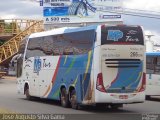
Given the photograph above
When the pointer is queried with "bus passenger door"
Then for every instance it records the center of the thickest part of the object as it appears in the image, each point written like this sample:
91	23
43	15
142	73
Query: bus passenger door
155	76
45	76
31	76
152	77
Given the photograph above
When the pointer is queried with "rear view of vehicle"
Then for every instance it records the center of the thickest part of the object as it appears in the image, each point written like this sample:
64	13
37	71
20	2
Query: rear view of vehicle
122	65
152	74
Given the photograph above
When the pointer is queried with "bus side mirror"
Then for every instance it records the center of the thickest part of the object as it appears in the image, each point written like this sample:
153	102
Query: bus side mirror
14	59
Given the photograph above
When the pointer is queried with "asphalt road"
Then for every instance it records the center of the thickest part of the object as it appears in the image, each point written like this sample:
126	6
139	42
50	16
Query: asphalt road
10	100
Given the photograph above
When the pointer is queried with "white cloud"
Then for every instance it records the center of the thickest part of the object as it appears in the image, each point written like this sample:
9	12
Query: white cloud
9	16
10	9
153	5
20	9
151	26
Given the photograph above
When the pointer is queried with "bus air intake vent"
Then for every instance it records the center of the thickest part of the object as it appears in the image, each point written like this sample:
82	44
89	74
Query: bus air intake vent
122	63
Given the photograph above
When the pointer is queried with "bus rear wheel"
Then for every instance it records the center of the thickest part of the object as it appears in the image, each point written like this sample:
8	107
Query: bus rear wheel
64	98
73	100
148	97
101	106
116	106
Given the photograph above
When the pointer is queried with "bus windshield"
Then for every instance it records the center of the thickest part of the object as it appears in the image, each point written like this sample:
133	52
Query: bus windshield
122	35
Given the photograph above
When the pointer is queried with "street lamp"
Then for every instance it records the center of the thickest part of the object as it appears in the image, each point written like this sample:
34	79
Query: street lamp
149	37
149	43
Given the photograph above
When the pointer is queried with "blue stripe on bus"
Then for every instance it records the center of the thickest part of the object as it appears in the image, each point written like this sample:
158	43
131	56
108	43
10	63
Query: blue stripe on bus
124	80
78	69
153	54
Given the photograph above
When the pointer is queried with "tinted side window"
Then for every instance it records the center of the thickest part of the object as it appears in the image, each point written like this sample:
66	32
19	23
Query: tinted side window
150	65
157	66
74	43
20	59
22	45
19	66
79	42
35	47
153	65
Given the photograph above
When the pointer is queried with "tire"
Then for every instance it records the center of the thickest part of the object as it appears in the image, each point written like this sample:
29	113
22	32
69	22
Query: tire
148	97
28	96
116	106
78	8
101	106
73	100
64	98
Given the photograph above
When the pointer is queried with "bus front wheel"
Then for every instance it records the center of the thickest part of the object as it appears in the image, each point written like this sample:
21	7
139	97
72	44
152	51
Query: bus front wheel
28	96
64	98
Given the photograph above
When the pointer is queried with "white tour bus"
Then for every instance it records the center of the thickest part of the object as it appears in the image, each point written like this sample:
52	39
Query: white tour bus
152	74
94	65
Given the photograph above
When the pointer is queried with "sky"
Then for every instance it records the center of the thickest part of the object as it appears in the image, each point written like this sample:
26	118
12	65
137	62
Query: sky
150	25
31	10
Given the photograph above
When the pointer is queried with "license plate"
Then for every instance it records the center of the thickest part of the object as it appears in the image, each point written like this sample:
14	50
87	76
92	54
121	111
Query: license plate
123	96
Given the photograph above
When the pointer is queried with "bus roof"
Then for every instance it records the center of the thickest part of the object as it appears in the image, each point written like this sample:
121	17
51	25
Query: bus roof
153	54
69	30
62	30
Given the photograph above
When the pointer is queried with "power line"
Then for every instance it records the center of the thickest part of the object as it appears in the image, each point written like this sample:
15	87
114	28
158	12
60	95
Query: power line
131	13
140	10
144	13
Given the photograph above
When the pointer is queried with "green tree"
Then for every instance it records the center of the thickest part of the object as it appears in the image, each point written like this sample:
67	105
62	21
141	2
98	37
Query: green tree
2	26
1	42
